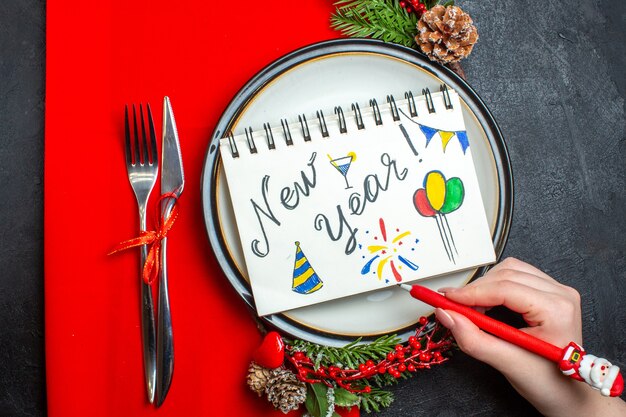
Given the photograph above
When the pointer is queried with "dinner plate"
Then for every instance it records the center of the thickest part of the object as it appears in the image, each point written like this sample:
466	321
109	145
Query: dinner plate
322	76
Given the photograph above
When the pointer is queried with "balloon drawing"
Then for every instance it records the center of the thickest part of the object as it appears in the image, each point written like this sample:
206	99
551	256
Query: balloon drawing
438	198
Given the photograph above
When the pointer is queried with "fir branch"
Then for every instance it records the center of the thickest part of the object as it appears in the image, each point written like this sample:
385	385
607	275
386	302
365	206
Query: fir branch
379	19
384	380
345	398
350	355
430	4
376	400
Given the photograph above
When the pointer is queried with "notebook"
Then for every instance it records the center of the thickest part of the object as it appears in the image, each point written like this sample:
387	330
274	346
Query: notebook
356	198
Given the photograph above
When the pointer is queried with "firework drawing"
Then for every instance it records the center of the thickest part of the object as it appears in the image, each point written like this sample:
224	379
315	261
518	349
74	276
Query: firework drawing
386	253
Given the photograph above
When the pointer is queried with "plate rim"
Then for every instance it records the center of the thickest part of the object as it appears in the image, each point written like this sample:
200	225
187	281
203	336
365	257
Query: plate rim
265	76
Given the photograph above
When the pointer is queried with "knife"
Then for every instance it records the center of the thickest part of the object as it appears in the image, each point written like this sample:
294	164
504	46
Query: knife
172	181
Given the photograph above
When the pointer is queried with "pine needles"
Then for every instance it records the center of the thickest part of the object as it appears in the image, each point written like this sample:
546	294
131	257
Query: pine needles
376	400
350	355
378	19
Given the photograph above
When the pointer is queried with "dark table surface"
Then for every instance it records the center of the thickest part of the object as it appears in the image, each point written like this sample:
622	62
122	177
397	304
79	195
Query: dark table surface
553	74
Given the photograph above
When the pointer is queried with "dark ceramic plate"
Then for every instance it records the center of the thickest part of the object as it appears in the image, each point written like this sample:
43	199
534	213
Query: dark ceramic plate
321	76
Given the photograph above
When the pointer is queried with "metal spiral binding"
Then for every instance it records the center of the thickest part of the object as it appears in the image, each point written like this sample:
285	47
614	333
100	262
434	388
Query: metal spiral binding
250	140
394	109
429	100
324	129
377	117
446	97
286	132
358	119
269	135
412	108
233	145
342	120
305	128
343	128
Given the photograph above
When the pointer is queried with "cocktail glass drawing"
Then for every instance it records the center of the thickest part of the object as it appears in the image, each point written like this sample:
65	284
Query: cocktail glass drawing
343	165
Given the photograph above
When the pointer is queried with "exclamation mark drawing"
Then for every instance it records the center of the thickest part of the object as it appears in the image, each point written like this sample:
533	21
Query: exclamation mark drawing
409	141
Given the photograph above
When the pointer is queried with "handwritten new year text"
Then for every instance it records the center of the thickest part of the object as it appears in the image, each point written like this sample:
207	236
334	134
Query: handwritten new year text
337	226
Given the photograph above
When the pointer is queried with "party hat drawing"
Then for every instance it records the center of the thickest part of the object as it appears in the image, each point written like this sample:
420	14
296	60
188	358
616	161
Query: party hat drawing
305	280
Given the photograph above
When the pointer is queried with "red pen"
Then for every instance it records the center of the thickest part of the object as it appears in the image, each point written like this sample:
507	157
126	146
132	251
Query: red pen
573	361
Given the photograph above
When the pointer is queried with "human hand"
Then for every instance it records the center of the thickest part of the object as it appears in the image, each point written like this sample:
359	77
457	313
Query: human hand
552	312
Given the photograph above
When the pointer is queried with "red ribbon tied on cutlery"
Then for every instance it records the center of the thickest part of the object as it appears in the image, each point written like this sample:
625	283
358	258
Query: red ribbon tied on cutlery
153	239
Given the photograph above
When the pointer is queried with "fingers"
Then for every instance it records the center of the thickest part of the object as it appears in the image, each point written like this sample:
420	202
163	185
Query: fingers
517	297
535	378
557	338
543	302
509	268
478	344
519	277
550	308
521	266
520	272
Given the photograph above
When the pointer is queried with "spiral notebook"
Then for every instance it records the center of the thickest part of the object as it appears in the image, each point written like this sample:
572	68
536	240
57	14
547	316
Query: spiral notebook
356	198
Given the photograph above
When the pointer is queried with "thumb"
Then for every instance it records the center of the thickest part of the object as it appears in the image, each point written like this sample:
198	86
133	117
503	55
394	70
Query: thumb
475	342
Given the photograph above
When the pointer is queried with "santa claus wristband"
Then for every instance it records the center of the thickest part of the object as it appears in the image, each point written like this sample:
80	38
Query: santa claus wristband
573	361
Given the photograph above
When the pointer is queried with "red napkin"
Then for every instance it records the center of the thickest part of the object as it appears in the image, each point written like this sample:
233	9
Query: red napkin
100	56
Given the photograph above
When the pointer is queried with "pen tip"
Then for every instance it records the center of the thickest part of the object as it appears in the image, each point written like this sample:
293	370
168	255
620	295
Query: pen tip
406	287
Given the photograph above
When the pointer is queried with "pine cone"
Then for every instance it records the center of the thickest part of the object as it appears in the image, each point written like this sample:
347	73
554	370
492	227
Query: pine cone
446	34
258	377
285	391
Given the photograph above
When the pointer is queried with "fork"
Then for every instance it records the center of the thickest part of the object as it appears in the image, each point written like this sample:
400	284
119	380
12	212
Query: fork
143	166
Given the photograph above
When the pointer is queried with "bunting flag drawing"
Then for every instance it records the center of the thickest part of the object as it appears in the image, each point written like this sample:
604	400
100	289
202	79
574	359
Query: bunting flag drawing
446	136
305	279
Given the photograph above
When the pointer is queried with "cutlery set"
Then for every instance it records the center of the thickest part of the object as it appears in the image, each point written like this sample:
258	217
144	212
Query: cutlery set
143	167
